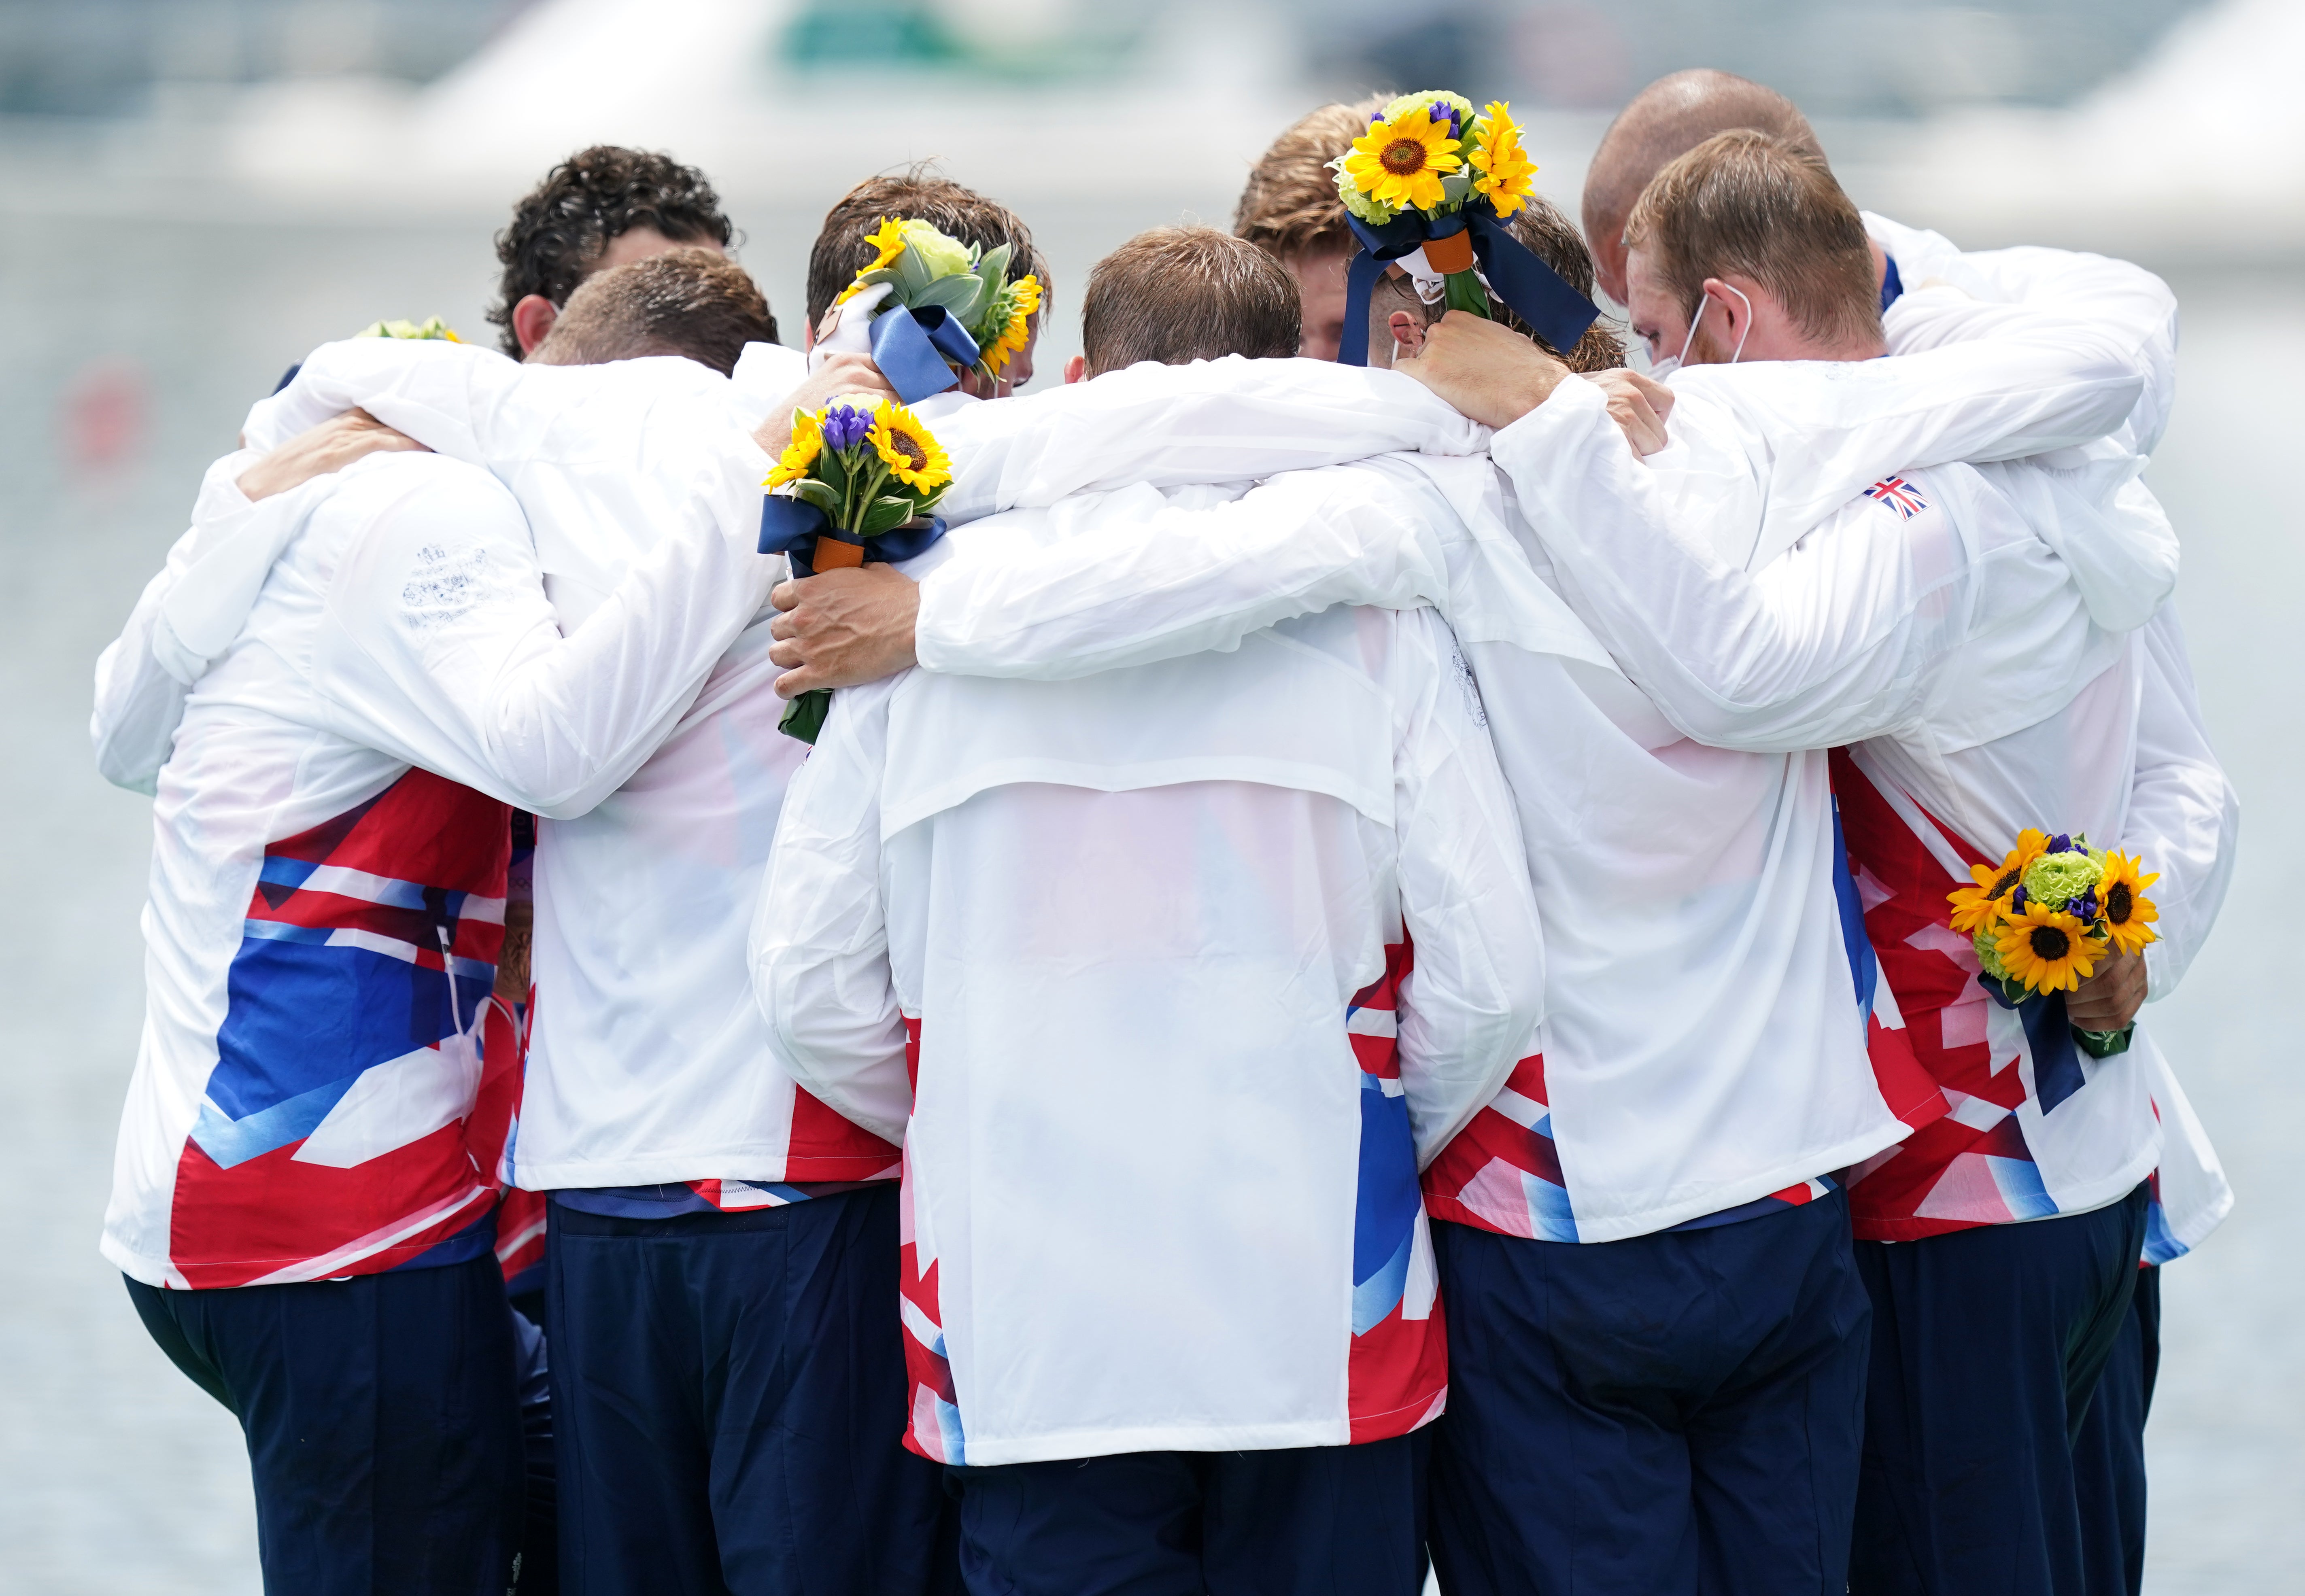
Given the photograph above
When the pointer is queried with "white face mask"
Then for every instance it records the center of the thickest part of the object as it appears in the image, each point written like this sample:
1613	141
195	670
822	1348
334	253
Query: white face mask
1672	364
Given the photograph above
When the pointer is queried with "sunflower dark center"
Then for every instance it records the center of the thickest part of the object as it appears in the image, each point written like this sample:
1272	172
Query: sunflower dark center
2049	943
909	446
2117	904
1403	157
2009	878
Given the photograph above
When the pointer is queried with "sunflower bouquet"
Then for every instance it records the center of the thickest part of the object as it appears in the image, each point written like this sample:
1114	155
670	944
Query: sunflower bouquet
1431	154
2043	919
857	482
957	296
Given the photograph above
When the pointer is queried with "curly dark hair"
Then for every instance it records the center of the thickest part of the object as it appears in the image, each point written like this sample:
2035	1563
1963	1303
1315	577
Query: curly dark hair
559	232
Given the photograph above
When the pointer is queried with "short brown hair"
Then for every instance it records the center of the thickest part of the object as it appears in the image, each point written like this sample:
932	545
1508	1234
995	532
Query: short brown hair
1670	118
1177	294
1553	239
1290	205
1761	208
840	251
561	229
691	302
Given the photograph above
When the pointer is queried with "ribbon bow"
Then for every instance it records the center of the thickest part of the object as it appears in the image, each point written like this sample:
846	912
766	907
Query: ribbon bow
917	347
792	527
1529	288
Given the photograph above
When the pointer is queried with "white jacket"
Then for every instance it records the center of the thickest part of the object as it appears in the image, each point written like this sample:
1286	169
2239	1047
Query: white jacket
1197	963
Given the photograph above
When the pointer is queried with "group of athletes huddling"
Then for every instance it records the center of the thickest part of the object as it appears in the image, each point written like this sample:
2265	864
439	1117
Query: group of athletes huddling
1356	984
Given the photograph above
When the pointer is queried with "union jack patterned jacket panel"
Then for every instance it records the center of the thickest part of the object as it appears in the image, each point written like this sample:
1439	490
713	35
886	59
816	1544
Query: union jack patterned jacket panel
1176	1064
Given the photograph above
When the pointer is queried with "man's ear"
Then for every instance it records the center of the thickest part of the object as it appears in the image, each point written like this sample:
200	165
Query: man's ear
1076	368
1408	329
532	320
1728	314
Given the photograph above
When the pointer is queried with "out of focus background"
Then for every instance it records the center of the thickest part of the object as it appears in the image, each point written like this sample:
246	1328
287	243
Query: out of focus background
192	193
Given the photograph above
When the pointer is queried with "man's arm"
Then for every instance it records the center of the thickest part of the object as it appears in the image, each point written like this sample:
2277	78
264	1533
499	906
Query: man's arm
819	944
1226	420
1178	581
2184	817
1471	1004
440	647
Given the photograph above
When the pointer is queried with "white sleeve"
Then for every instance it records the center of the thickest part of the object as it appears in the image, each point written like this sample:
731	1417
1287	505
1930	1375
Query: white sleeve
1183	582
1473	1000
138	703
1813	435
2183	817
1828	643
440	647
2129	302
141	682
819	944
1226	420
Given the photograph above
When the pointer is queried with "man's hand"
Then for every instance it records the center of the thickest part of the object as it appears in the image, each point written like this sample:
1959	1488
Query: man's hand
2109	999
846	373
843	628
330	446
1489	372
1638	405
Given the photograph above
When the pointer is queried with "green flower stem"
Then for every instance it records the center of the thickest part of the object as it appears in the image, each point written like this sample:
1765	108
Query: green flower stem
860	506
1464	292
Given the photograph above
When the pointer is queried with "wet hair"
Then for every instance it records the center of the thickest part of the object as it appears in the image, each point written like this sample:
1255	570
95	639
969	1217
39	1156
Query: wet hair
560	231
693	302
1178	295
1289	207
1553	239
920	194
1745	204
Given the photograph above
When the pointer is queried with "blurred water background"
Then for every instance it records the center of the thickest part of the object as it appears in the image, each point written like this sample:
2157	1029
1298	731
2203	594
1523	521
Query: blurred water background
194	192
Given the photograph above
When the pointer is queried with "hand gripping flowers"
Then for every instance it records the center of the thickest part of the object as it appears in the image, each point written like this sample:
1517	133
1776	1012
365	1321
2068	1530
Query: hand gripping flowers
856	482
948	308
1429	185
2044	917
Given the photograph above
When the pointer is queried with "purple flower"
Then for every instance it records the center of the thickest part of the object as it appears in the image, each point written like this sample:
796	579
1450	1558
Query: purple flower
845	426
2062	844
2083	907
1442	111
2017	899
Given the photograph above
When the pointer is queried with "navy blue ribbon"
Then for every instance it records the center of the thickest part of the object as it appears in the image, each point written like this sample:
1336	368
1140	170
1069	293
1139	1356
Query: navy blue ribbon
1529	288
2057	1071
917	348
791	527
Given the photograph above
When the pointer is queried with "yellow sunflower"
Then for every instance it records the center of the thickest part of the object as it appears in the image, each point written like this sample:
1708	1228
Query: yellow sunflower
800	455
888	242
912	454
1503	166
2120	898
1400	163
1026	301
2047	949
1976	906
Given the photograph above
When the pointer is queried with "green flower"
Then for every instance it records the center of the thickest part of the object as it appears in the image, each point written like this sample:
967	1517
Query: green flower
1426	96
1368	208
943	255
1987	954
2054	878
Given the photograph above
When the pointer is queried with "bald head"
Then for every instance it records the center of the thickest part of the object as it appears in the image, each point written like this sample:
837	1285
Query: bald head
1665	121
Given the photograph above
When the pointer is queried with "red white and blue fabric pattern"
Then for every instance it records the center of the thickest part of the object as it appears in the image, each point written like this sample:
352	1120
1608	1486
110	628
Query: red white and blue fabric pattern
1397	1370
1502	1172
1898	495
1969	1166
331	1139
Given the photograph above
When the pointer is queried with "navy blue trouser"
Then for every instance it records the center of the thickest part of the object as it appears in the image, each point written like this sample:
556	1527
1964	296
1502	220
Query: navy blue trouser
1987	1345
382	1420
1304	1520
1672	1413
2109	1458
728	1405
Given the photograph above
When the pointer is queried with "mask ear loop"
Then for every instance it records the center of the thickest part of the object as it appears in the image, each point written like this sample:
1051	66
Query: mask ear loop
1748	333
